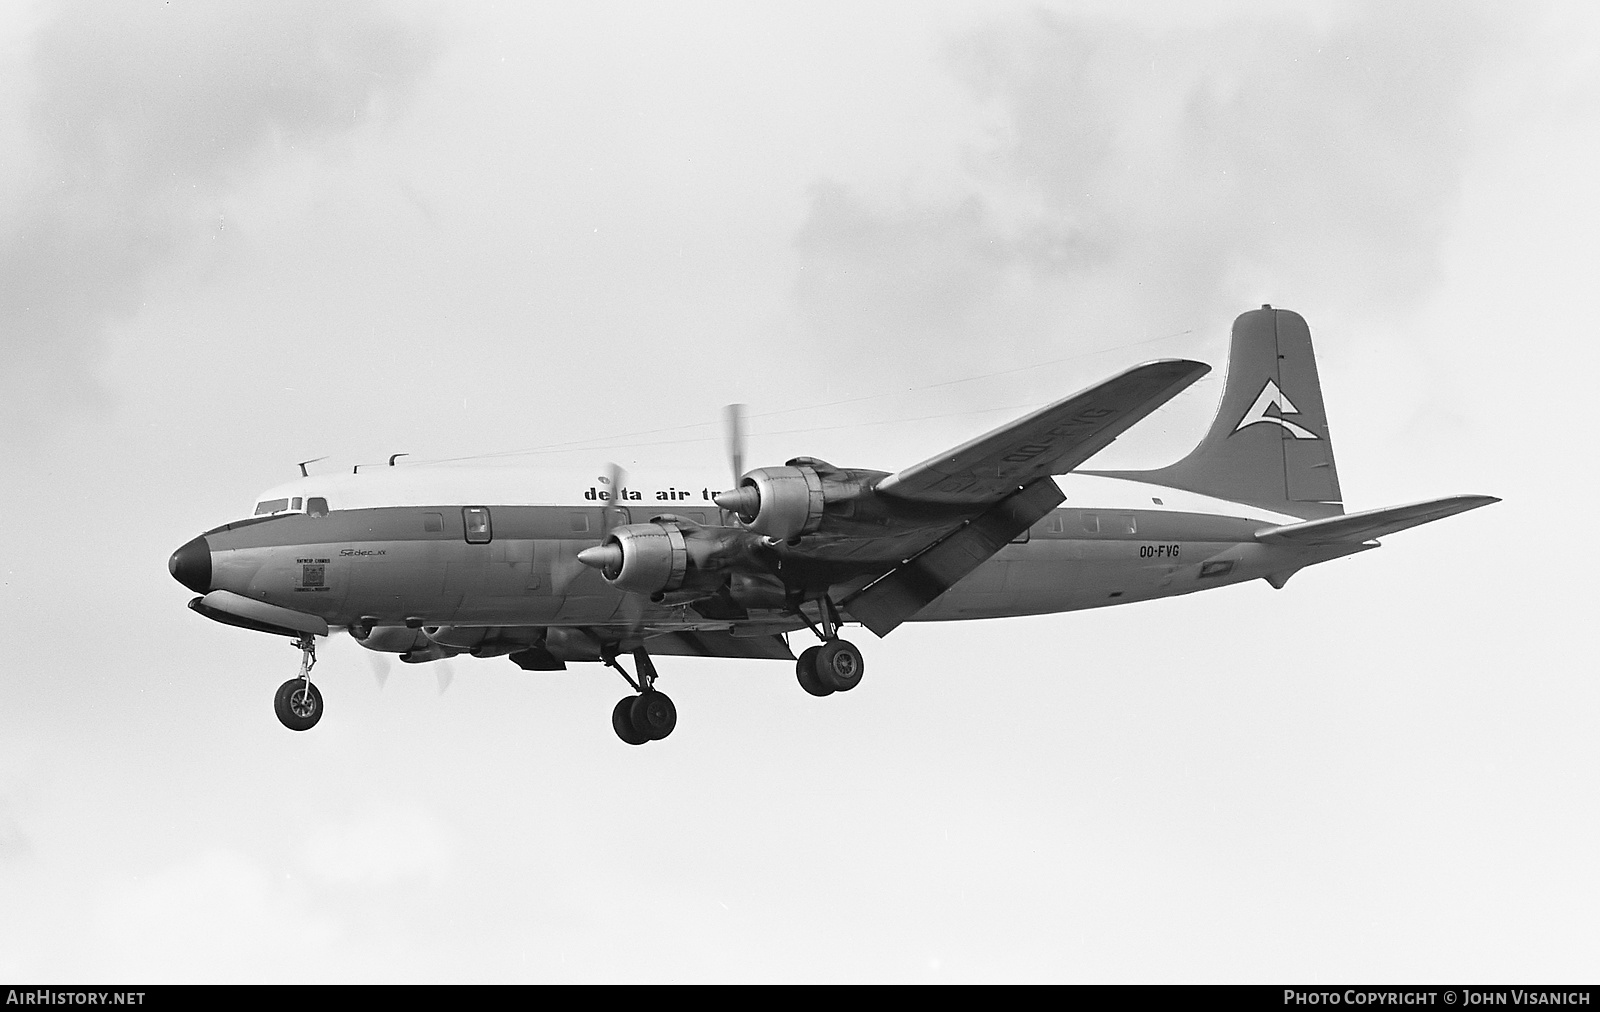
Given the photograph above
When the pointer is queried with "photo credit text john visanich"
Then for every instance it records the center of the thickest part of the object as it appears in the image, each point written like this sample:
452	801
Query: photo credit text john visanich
1438	996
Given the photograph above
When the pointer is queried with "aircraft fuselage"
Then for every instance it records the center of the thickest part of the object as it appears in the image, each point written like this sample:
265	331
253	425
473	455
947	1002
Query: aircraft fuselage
415	565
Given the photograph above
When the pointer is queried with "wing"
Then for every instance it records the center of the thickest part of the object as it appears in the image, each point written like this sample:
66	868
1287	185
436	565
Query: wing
1052	440
1356	527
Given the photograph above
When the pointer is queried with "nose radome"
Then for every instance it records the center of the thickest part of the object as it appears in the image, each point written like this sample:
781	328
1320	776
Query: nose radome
191	565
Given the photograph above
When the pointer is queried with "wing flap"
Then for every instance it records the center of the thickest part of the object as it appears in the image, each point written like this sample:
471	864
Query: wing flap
715	643
1356	527
1053	440
912	586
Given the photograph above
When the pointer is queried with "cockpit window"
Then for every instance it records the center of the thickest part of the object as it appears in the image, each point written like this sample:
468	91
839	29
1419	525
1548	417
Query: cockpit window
271	506
296	503
317	506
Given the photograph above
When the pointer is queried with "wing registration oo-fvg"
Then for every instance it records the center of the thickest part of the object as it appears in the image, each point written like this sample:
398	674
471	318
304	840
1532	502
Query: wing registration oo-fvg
548	569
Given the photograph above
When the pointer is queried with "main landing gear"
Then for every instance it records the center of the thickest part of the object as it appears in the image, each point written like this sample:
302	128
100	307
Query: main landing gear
835	665
648	716
298	703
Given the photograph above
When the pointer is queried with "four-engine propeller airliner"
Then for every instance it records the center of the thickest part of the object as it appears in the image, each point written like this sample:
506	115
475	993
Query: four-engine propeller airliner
433	561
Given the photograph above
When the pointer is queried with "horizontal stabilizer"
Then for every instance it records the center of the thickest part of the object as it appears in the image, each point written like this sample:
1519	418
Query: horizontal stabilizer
1053	440
1357	527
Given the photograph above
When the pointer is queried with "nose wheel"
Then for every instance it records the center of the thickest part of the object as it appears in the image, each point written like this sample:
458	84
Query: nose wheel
298	704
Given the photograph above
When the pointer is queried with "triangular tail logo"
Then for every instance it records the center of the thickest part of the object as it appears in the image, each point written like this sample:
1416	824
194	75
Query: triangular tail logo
1272	397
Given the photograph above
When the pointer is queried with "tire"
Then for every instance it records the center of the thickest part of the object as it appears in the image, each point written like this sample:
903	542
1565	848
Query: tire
622	722
805	669
298	705
839	665
653	715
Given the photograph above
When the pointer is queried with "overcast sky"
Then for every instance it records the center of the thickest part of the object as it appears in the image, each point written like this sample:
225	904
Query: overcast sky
237	236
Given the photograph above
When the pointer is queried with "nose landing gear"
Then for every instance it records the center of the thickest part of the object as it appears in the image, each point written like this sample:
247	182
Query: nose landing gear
648	716
298	703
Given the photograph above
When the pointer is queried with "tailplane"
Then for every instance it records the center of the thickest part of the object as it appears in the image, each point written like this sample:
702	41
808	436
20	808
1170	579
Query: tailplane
1355	528
1269	445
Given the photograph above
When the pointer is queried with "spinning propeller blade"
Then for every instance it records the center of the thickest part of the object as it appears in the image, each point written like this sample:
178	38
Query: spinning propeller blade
733	423
380	667
614	479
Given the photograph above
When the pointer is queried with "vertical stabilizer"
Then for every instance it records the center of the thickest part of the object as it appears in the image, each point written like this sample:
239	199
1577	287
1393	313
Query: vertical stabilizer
1269	445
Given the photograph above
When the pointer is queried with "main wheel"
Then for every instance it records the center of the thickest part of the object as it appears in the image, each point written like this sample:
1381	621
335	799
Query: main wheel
298	704
622	722
839	665
805	669
654	716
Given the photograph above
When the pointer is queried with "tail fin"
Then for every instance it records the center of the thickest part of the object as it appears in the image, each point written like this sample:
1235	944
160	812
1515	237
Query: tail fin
1269	445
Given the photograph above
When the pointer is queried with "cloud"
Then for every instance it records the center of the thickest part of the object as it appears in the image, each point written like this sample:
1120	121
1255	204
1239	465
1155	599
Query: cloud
1149	178
381	848
216	917
14	842
143	119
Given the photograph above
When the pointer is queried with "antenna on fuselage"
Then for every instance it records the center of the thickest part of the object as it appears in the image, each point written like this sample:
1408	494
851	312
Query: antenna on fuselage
303	463
392	458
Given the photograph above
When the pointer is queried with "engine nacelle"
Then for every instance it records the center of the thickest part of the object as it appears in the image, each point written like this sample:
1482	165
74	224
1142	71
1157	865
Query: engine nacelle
648	558
485	641
782	503
390	639
806	496
668	554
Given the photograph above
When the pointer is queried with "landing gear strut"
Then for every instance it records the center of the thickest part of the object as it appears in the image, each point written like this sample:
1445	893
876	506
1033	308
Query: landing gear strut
298	703
648	716
836	665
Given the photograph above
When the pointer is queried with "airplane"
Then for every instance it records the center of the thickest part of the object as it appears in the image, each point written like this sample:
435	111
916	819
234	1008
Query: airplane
546	568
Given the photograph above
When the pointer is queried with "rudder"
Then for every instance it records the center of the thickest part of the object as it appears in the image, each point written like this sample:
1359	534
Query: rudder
1269	444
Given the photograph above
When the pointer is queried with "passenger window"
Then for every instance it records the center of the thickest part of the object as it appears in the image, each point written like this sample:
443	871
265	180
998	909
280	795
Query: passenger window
1126	524
1022	539
317	506
432	523
1056	526
1091	523
580	522
476	519
698	518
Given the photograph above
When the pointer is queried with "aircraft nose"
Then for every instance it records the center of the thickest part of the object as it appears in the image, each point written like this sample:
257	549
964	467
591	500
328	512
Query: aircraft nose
191	565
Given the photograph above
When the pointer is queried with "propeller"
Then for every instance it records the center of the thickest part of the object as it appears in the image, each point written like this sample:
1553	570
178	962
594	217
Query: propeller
445	673
608	557
616	478
733	423
380	667
604	557
741	501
